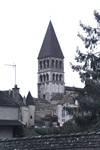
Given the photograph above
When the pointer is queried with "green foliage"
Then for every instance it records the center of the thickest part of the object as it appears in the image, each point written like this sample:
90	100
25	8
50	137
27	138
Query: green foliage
89	61
47	131
88	67
29	131
70	127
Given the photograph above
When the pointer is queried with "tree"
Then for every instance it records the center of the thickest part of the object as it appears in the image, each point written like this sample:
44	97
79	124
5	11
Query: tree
88	67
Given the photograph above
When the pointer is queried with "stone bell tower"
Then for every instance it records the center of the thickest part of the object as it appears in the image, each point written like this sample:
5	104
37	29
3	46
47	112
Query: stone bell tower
50	66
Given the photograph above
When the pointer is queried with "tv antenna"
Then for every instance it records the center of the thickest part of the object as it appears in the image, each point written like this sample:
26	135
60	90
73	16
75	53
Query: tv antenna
14	66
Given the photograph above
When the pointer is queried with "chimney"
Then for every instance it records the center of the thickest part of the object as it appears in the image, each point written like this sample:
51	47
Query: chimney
15	93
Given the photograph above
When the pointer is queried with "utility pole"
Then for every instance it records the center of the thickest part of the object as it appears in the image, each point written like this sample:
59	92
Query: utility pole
14	66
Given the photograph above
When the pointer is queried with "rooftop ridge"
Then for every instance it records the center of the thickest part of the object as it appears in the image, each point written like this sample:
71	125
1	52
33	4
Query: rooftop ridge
53	135
87	140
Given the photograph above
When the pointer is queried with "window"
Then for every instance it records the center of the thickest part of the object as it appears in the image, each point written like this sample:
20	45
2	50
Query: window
56	77
40	64
44	77
53	77
60	77
47	63
44	64
56	63
47	76
63	113
52	63
60	64
44	96
40	78
30	117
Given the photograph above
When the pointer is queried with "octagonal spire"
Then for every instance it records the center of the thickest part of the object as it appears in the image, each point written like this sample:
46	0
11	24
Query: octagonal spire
50	46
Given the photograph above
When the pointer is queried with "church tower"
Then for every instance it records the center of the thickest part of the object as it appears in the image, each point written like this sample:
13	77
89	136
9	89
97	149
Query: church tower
50	66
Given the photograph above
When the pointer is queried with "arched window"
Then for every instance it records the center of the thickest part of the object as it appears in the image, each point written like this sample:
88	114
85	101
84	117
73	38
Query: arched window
47	63
56	63
60	64
47	76
40	78
44	77
53	77
52	63
56	77
44	65
40	64
60	77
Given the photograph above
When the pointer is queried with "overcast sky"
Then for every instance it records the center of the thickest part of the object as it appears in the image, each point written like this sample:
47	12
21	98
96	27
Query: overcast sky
23	24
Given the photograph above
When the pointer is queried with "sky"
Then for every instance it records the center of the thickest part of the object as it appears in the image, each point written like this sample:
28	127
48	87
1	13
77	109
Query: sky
23	24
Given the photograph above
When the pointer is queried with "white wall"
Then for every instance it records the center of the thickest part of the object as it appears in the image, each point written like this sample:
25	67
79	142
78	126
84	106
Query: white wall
8	113
31	114
62	118
25	114
28	113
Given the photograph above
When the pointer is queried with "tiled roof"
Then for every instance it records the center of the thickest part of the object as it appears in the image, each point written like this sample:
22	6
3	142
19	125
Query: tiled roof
43	106
69	98
81	141
5	100
50	46
62	99
38	100
57	96
10	94
69	88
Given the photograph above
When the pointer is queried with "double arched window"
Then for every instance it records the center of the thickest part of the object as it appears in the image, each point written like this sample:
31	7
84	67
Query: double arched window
57	77
57	63
44	77
54	63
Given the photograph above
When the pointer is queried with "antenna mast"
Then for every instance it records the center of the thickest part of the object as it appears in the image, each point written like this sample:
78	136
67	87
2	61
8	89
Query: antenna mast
14	66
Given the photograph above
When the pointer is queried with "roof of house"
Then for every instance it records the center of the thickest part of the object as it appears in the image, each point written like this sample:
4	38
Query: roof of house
50	46
40	101
10	94
44	106
10	123
5	100
69	98
64	98
87	141
70	88
57	96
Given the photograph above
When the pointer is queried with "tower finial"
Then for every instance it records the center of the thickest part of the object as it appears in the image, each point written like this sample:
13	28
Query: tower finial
50	17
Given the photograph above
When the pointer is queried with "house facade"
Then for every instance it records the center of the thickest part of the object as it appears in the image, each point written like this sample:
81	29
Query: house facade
10	117
15	113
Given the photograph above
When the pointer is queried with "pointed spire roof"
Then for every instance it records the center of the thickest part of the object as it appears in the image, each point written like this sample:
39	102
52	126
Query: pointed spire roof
50	46
29	99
